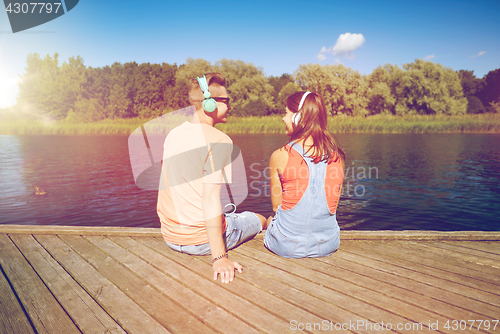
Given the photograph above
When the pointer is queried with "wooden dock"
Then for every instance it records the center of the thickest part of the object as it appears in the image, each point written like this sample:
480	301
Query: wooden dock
126	280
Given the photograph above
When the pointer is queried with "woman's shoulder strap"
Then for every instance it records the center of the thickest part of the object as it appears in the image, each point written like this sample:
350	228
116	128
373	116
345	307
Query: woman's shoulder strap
297	147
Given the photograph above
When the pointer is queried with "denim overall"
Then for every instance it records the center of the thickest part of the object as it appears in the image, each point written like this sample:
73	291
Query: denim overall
308	229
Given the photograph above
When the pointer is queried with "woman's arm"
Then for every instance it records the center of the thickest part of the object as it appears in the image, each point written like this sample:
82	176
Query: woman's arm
277	165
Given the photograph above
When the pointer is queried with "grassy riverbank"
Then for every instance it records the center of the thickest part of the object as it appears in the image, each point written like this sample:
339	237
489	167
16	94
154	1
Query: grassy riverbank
376	124
104	127
486	123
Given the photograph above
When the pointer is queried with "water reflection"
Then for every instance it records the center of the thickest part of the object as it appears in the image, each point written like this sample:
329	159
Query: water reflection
431	182
14	191
87	181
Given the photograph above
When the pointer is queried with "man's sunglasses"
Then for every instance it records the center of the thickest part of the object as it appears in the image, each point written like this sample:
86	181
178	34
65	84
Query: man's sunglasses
222	99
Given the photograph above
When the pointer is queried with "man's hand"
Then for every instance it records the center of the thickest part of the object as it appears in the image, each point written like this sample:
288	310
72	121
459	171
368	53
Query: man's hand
212	212
225	268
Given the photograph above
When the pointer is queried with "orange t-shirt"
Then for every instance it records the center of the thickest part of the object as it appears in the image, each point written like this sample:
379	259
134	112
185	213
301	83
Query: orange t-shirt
295	180
193	155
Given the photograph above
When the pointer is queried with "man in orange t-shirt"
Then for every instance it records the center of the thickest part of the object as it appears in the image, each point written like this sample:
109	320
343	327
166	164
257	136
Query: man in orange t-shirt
196	162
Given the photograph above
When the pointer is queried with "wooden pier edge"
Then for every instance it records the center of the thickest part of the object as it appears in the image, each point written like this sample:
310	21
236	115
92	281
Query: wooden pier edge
85	279
344	234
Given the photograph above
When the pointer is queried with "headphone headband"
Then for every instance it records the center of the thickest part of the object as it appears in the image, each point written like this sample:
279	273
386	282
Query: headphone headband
303	99
209	104
204	86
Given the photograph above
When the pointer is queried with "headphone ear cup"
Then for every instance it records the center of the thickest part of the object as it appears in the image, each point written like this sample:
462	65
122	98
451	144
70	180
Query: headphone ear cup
209	105
296	118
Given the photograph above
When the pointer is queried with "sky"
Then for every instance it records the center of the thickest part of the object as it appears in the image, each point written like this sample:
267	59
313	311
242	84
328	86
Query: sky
277	36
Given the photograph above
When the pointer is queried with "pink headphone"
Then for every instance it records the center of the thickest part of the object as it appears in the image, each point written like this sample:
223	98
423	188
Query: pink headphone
296	117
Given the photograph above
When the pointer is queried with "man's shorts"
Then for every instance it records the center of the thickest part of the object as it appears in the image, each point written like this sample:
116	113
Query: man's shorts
240	227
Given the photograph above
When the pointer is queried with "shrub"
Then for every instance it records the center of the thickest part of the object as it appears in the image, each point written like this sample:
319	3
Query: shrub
474	105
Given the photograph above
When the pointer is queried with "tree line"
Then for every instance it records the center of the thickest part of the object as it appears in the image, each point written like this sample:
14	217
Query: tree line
74	92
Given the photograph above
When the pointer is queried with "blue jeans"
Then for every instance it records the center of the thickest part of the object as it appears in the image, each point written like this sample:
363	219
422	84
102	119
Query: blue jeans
240	227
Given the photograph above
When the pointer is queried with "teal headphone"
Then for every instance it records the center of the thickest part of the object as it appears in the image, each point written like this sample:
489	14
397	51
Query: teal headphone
209	104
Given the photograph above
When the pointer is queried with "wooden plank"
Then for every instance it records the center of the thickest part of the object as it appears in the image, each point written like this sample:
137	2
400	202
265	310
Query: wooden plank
477	268
270	279
487	277
429	257
412	280
180	267
148	298
45	313
468	254
211	315
365	302
413	299
419	235
131	317
344	234
79	230
420	254
446	280
85	312
397	287
266	301
12	317
492	247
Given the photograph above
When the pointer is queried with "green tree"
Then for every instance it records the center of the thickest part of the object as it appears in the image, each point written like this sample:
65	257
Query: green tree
50	90
39	93
495	106
85	110
119	104
470	84
379	92
278	83
95	93
342	88
246	83
424	87
256	108
474	105
151	82
70	84
167	75
491	90
192	69
287	90
117	101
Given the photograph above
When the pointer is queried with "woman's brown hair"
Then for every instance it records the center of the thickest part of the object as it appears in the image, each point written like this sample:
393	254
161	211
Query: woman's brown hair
313	123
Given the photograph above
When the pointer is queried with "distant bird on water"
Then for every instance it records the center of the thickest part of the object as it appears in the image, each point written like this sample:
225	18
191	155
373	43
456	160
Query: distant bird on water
39	191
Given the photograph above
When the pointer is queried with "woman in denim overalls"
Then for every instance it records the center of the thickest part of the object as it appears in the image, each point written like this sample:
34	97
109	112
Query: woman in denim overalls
306	180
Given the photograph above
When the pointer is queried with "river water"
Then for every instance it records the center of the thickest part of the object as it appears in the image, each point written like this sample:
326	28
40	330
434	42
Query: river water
439	182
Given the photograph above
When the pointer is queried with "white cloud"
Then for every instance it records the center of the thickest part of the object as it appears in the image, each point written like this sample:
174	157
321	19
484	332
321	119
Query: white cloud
321	56
429	57
345	45
479	54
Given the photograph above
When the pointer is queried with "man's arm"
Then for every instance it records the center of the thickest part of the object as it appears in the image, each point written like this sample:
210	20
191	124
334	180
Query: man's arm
212	213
